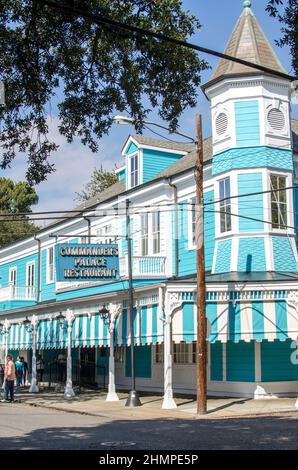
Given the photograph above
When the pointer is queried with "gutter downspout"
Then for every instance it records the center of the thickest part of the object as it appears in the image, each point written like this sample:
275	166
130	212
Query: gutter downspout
175	195
39	268
89	227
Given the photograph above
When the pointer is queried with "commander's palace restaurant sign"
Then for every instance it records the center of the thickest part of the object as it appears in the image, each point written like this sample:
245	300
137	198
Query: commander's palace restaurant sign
87	262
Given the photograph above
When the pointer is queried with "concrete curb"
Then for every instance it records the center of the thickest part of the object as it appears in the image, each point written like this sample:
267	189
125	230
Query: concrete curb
187	415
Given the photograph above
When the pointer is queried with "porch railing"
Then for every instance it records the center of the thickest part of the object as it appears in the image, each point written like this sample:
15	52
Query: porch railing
17	293
144	265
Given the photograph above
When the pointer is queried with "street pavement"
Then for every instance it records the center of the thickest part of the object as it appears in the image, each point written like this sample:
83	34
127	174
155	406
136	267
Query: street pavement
24	426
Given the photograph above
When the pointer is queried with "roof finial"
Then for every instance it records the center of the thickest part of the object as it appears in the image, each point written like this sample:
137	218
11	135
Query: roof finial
247	4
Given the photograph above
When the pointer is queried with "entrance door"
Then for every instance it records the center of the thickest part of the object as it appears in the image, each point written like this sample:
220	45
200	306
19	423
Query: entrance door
88	368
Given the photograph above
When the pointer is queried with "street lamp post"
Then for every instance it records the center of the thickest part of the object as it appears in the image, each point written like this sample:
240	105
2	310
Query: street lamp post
201	282
31	327
109	316
68	392
4	329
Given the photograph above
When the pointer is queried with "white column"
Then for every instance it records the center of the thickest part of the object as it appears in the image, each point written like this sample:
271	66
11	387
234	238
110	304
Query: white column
168	399
114	312
68	392
34	387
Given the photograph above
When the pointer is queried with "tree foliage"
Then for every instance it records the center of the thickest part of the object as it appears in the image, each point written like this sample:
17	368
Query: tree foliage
50	57
15	198
100	180
287	13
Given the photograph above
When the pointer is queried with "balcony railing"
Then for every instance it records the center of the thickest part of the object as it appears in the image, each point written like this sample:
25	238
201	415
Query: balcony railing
17	293
144	266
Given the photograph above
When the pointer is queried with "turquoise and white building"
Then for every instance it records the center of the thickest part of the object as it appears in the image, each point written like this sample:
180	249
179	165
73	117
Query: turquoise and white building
250	250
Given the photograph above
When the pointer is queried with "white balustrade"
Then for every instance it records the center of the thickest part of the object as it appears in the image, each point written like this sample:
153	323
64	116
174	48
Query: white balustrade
144	266
17	293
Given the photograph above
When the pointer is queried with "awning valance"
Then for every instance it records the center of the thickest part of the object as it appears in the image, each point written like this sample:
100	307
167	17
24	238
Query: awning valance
235	321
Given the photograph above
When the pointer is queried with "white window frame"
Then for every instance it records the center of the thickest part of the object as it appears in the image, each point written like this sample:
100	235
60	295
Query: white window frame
50	279
288	207
155	233
136	182
192	223
144	235
28	266
223	205
13	269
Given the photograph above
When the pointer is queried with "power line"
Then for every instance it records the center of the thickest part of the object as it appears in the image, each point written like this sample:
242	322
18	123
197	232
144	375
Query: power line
104	21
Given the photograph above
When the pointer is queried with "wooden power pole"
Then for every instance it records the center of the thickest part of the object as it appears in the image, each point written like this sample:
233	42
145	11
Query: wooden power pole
201	286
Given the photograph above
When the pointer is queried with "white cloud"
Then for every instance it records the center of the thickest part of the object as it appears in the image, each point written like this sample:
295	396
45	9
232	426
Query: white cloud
74	165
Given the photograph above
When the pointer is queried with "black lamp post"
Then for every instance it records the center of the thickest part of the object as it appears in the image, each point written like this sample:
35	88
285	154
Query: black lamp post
61	318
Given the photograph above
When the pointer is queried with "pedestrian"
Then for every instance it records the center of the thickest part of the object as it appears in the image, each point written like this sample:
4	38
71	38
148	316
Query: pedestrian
9	376
26	370
19	371
39	368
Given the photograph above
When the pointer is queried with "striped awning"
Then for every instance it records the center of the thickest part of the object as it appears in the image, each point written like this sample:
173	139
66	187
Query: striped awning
256	320
91	331
248	321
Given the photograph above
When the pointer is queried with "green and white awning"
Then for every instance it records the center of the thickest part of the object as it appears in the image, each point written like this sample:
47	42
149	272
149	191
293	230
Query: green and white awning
90	331
235	321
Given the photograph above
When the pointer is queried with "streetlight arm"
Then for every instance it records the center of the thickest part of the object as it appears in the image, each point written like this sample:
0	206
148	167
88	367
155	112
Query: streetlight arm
129	120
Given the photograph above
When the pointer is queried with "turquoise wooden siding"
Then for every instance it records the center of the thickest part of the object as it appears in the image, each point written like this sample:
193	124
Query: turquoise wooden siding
252	157
284	259
155	161
122	175
240	362
47	290
250	206
20	265
143	362
277	361
209	230
187	256
223	257
247	123
251	255
295	194
216	361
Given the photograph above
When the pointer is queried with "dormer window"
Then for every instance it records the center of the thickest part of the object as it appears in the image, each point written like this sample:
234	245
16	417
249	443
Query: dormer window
134	170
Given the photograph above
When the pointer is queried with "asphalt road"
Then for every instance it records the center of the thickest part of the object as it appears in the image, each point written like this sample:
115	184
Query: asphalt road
25	427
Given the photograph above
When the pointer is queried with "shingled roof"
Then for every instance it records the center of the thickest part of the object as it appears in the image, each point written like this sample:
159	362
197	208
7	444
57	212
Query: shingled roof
247	42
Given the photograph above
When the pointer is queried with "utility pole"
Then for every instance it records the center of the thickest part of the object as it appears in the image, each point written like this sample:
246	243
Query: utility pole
133	397
201	285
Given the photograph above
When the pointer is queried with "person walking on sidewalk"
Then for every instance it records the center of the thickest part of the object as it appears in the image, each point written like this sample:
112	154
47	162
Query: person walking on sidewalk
26	370
9	376
19	372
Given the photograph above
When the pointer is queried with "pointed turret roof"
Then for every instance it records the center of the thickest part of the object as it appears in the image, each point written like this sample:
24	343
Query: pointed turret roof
247	42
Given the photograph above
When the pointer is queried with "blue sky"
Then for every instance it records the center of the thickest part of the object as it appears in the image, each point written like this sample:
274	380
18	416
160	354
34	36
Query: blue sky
75	163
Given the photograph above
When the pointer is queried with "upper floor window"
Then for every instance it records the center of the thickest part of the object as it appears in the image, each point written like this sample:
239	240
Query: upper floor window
156	232
278	201
134	170
225	205
13	276
50	264
144	234
105	233
30	275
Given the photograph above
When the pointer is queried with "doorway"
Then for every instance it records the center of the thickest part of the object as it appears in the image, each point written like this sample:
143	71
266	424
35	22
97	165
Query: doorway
87	366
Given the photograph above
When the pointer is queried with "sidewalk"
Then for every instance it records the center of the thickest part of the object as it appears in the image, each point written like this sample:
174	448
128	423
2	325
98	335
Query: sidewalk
93	403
